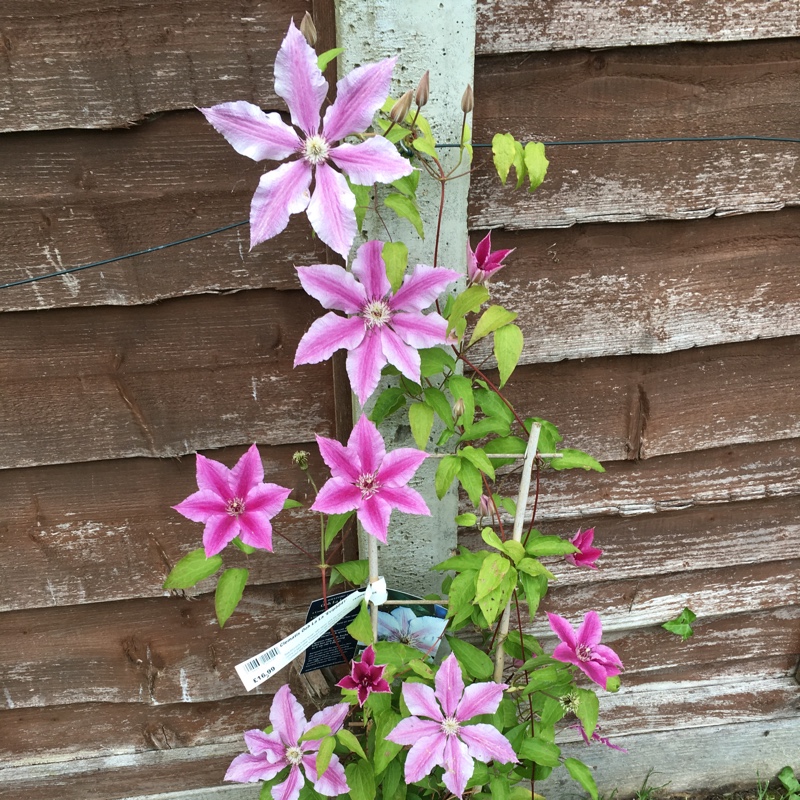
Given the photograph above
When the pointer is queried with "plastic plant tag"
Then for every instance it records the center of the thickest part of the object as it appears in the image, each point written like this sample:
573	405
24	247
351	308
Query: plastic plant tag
256	670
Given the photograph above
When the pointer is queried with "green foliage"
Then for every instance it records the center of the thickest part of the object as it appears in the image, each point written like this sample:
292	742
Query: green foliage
790	783
389	401
406	208
507	350
361	780
528	161
395	256
576	459
493	318
540	752
447	470
361	627
420	417
682	624
468	301
191	569
334	524
472	660
317	732
434	360
355	572
249	549
536	164
582	774
587	710
349	740
363	195
230	588
326	748
323	59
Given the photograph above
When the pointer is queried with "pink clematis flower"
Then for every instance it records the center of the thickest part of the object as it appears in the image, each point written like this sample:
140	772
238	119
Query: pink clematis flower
588	554
483	262
384	327
272	752
583	649
443	739
234	502
366	479
366	677
285	190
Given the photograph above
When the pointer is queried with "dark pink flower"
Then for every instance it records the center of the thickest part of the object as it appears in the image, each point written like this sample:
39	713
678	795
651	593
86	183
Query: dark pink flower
234	502
588	554
443	739
365	677
367	479
583	648
383	326
285	190
272	752
483	262
596	737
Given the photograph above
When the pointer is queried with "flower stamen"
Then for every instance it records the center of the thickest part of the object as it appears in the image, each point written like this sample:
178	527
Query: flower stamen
235	507
315	150
450	726
376	314
294	755
368	484
583	652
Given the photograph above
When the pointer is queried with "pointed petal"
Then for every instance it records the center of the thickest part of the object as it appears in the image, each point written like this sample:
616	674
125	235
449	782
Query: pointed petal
591	629
332	716
280	193
333	781
255	529
399	466
299	82
348	682
562	629
495	260
374	516
375	160
342	461
367	444
425	632
405	500
483	249
248	473
421	702
219	531
388	627
337	496
359	95
368	656
266	498
426	753
606	654
458	766
202	505
486	743
567	654
253	133
449	685
370	268
247	768
334	287
400	355
480	698
364	365
420	330
422	287
331	211
259	742
213	476
290	788
327	335
597	672
287	717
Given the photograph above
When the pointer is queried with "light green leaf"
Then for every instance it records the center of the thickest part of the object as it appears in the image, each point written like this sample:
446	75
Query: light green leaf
493	570
530	566
543	678
535	163
420	417
493	406
507	350
361	779
317	732
462	596
407	185
385	751
503	152
425	143
334	524
229	592
478	458
549	437
492	539
249	549
191	569
448	468
390	782
466	139
349	740
471	480
469	300
355	572
574	459
493	318
587	710
476	663
466	520
539	546
499	788
361	627
389	401
363	195
435	360
540	752
461	389
582	774
436	399
682	624
326	748
493	603
504	444
323	59
519	164
407	209
534	588
484	427
395	256
514	550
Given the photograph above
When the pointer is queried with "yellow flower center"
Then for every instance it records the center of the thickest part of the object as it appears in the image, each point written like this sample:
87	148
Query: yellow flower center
376	313
450	726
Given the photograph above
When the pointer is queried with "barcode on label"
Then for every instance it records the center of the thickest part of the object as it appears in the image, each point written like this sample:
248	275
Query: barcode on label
256	662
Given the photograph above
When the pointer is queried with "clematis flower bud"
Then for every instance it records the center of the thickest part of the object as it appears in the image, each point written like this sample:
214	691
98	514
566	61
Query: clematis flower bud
459	408
401	108
467	100
309	29
300	459
485	506
423	88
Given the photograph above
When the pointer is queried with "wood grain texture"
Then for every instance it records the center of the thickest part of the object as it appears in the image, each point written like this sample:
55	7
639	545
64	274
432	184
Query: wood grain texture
613	289
508	26
111	66
159	380
69	198
676	91
105	530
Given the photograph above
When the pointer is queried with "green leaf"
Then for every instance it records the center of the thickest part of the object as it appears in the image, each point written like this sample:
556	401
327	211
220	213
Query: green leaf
385	751
507	350
355	572
613	683
588	710
514	550
573	459
478	459
787	778
247	548
534	588
407	185
549	437
326	748
461	389
462	596
476	663
491	575
682	624
390	781
323	59
317	732
395	256
363	195
503	152
469	300
466	139
361	780
504	444
499	788
539	546
535	164
420	668
582	774
361	627
266	792
191	569
471	480
420	417
230	587
334	524
519	164
493	406
540	752
407	209
544	678
492	604
464	560
289	503
466	520
389	401
435	360
436	399
484	427
493	318
492	539
349	740
448	468
425	143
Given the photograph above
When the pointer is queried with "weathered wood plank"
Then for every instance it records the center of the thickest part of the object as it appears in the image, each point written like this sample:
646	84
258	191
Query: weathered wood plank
687	90
613	289
111	66
101	531
669	483
514	26
77	197
159	380
151	651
